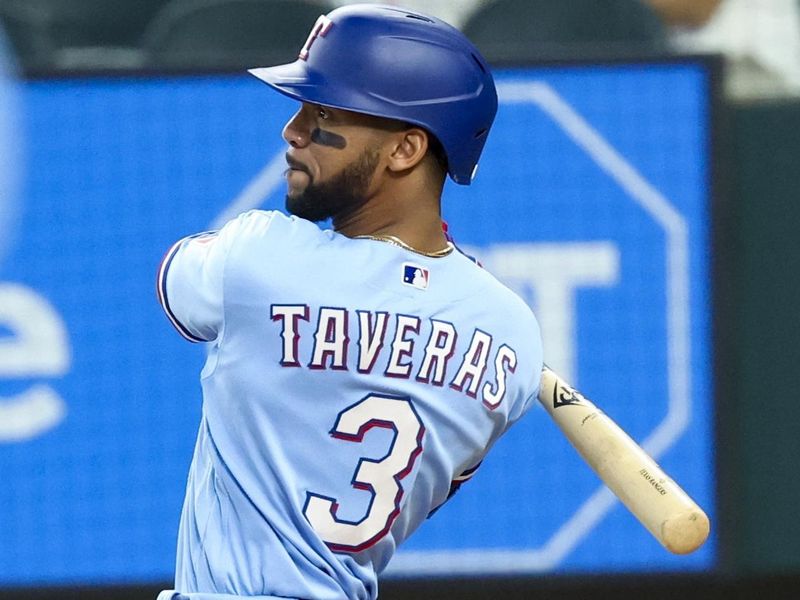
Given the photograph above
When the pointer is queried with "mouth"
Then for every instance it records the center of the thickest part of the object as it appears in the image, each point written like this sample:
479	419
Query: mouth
296	165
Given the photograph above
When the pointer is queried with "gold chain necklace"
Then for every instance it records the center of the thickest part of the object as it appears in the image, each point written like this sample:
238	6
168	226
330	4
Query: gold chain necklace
396	241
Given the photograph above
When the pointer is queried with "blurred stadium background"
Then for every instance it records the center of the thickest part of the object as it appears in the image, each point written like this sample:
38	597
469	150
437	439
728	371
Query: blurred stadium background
640	190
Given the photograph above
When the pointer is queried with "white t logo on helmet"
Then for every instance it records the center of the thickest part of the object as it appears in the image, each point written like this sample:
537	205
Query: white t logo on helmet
321	27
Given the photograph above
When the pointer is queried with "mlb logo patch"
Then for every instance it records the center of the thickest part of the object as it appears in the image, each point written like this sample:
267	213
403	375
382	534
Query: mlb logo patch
416	276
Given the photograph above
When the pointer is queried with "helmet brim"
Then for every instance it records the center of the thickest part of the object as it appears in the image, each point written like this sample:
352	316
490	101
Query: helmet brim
292	79
299	82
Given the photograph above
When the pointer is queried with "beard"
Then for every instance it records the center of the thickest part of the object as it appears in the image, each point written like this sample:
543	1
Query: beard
338	197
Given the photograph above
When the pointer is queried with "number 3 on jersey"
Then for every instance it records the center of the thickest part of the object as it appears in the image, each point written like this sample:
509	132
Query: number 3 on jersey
381	477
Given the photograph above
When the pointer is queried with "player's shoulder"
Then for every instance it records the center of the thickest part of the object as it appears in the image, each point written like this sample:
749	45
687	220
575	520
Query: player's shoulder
254	221
270	225
506	306
500	294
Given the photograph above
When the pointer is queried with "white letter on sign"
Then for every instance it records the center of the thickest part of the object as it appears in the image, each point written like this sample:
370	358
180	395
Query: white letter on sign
38	347
554	272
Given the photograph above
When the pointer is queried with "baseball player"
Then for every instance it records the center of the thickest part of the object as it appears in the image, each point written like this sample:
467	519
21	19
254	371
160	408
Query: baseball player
355	376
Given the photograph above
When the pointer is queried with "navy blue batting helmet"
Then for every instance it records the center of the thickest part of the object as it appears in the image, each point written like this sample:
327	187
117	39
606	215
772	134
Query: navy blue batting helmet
389	62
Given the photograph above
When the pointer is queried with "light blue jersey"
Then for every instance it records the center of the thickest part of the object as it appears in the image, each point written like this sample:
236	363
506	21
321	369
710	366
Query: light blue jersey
349	384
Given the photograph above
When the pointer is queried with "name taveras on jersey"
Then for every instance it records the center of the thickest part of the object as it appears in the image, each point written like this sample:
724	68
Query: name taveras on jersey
332	349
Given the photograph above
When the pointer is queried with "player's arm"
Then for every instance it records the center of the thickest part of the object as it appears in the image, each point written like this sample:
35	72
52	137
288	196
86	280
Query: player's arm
455	485
189	286
189	283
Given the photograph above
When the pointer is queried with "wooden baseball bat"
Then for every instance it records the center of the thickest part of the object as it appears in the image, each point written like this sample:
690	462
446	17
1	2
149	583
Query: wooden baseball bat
656	500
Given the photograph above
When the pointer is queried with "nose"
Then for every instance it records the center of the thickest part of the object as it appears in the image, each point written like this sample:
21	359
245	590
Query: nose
296	132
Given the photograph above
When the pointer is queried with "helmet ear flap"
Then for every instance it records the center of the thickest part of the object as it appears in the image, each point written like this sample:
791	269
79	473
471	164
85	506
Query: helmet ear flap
391	63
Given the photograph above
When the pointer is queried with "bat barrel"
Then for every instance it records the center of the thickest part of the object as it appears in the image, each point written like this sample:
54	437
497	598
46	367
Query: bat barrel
660	504
685	532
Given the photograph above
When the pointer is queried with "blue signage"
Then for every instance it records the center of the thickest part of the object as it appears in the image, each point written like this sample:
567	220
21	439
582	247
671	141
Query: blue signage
592	202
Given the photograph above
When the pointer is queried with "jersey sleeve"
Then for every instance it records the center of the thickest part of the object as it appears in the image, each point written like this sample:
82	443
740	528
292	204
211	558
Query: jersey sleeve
189	283
190	279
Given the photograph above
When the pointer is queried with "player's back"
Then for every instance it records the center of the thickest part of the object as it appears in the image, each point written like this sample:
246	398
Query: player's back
351	381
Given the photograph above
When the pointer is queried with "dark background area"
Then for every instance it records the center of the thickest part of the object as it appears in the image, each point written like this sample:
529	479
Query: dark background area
651	587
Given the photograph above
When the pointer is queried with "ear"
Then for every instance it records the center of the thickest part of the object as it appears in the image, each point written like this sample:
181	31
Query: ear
408	149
